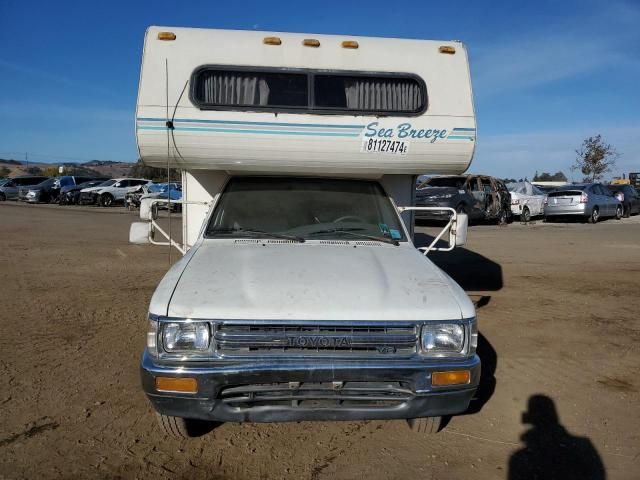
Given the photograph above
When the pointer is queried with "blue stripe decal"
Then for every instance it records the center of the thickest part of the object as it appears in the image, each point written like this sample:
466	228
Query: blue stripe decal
460	137
464	129
268	124
237	130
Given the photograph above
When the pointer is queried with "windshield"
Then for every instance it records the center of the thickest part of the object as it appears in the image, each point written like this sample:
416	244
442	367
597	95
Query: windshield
304	208
456	182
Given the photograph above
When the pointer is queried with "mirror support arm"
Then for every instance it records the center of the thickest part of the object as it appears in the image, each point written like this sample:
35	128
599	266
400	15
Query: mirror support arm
451	227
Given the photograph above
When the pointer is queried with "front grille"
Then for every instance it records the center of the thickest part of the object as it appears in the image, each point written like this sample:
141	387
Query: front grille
316	339
317	395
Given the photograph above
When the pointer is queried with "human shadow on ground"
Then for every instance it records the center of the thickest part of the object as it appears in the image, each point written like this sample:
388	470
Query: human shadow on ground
550	451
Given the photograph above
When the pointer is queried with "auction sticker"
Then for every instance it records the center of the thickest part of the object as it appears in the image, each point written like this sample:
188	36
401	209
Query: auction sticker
382	145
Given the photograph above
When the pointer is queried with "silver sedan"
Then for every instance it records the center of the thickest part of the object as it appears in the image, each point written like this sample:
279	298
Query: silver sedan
589	200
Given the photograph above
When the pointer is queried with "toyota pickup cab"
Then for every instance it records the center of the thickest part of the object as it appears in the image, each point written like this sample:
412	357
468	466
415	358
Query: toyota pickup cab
300	294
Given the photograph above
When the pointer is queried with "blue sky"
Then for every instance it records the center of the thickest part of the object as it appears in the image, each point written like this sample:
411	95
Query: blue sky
546	74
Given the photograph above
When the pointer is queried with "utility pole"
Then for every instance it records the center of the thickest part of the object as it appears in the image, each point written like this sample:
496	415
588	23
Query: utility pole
26	159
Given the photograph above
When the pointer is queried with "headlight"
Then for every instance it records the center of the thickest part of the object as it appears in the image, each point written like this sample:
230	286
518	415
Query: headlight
448	339
515	201
444	195
185	336
31	193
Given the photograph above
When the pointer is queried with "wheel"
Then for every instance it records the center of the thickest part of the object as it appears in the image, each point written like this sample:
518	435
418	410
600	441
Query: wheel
502	218
627	211
3	197
595	214
106	199
525	216
425	425
178	427
618	212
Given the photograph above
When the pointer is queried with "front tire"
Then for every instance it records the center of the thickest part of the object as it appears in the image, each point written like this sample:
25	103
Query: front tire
425	425
106	200
3	197
177	427
525	216
595	215
618	212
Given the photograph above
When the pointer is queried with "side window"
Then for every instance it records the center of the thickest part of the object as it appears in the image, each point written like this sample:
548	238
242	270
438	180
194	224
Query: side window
474	185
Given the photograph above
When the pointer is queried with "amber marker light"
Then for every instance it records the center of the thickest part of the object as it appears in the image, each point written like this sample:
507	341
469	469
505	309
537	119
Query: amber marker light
311	42
350	44
447	49
166	36
457	377
180	385
271	41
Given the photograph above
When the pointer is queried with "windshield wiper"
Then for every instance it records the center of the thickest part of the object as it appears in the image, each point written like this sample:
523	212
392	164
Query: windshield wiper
251	231
352	231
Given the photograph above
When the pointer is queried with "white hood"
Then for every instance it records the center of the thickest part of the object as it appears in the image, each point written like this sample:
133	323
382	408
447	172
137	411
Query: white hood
309	281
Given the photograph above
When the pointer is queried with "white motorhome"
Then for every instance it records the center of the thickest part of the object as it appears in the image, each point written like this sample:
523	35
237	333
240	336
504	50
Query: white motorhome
300	295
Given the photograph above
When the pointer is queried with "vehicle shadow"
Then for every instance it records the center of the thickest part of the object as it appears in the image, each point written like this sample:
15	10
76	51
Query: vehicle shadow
550	451
472	271
478	274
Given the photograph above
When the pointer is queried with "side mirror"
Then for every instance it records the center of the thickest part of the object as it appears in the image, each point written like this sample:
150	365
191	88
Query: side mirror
458	232
147	212
139	233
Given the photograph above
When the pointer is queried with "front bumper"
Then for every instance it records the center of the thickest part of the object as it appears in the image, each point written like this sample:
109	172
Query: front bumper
87	198
405	384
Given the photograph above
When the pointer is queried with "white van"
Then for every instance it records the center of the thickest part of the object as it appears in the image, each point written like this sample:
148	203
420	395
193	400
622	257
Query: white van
301	295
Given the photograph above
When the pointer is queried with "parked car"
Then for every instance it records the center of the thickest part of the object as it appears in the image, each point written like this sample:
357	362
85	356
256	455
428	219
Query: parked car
69	195
88	195
154	190
527	200
628	196
10	189
588	200
49	190
112	192
479	196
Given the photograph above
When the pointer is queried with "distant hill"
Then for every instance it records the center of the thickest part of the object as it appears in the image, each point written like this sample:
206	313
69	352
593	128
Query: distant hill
104	168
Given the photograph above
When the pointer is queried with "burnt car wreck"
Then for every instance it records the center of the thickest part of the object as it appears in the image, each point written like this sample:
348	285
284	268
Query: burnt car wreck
479	196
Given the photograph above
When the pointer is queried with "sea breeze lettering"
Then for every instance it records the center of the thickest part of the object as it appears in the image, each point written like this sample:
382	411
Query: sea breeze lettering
404	130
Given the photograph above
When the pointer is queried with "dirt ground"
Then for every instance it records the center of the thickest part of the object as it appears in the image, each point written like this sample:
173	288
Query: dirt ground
558	309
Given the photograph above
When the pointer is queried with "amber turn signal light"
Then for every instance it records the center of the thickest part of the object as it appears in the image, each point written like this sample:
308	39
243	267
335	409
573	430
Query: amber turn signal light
311	42
166	36
181	385
457	377
271	41
350	44
447	49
